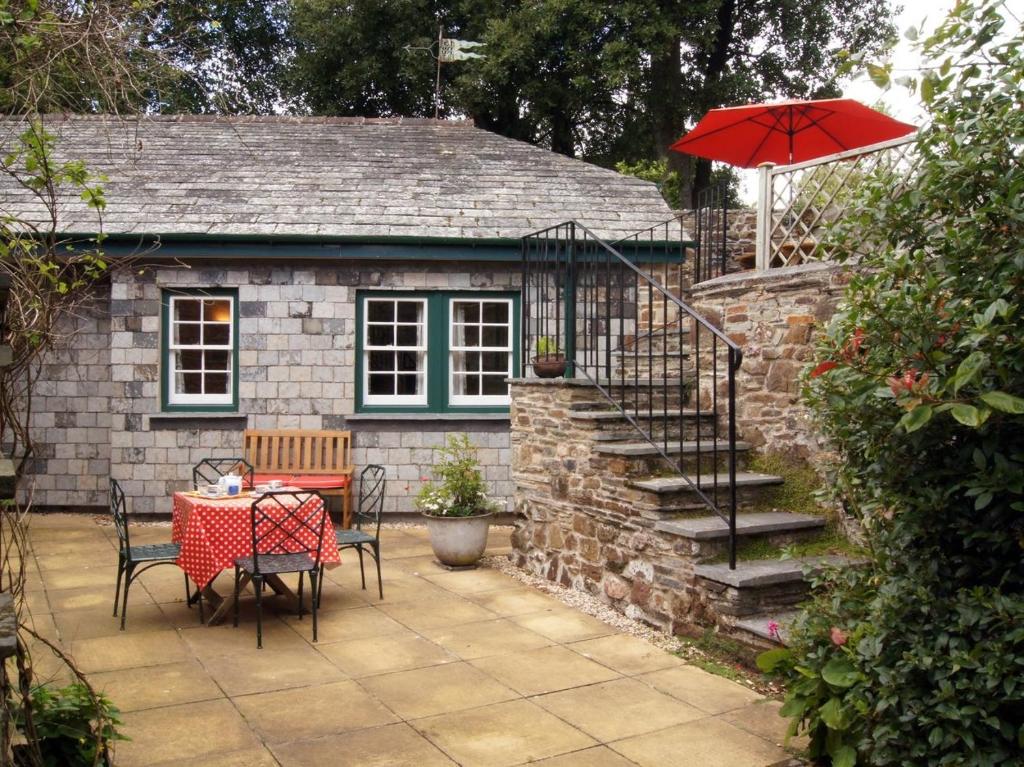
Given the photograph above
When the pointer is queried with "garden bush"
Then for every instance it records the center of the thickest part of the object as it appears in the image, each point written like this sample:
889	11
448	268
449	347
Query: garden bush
918	656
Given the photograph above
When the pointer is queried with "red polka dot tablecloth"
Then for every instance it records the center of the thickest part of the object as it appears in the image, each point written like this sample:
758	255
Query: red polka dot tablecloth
215	532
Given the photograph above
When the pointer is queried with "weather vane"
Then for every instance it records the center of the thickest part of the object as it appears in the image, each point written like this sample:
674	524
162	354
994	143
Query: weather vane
448	49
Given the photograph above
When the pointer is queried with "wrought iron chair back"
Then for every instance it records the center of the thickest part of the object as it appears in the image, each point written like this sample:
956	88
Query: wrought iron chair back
288	522
209	470
118	512
372	482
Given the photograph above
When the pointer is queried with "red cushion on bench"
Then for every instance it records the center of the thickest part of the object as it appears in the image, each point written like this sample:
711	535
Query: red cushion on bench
262	479
319	481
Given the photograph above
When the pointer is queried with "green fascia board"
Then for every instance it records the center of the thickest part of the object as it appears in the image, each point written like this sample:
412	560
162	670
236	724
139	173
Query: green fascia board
326	247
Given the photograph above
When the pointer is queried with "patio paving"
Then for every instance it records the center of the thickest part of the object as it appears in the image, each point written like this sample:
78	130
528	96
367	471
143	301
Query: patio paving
469	668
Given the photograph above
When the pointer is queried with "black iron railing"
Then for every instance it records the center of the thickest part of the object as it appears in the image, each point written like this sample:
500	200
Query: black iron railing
664	367
711	229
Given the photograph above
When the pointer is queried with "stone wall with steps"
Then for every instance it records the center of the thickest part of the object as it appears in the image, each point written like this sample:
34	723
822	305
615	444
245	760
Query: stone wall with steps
593	515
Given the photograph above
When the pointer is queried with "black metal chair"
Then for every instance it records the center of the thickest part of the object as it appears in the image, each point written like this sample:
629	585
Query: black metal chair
287	537
132	561
209	470
372	484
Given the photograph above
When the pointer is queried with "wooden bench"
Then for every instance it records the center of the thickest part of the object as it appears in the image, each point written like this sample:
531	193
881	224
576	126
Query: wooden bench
312	460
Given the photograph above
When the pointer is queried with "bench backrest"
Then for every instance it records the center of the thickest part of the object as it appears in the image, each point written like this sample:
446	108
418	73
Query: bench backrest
298	451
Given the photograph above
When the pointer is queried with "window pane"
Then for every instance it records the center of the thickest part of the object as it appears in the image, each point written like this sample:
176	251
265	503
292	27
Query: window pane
465	361
495	336
189	360
216	335
472	335
408	384
466	385
495	361
408	335
495	386
380	361
216	383
410	311
217	311
380	311
186	335
409	361
496	311
216	360
189	383
186	309
381	335
464	311
382	384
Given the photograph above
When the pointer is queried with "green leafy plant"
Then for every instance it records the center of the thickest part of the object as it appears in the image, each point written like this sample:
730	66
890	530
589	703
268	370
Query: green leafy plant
547	347
70	726
918	382
460	490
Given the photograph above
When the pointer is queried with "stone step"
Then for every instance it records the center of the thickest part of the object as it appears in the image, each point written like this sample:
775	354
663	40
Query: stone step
756	523
667	485
760	625
761	573
643	354
689	447
657	385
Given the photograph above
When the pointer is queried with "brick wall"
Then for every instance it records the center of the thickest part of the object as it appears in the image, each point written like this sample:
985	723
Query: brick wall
296	370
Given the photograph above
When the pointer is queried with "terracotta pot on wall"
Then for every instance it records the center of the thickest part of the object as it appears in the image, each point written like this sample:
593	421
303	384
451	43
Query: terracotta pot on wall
549	365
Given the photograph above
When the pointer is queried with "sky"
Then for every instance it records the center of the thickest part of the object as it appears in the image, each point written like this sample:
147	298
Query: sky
905	60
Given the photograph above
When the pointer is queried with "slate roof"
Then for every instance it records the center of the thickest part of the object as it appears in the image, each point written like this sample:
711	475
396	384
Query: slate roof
333	177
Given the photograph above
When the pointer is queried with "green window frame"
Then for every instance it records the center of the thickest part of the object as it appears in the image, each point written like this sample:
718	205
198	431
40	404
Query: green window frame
203	349
439	364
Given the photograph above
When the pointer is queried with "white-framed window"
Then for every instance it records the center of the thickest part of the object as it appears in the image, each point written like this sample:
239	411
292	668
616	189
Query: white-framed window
395	351
480	351
201	344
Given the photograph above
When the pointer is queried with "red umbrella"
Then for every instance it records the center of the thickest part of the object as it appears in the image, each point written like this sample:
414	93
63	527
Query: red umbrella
788	131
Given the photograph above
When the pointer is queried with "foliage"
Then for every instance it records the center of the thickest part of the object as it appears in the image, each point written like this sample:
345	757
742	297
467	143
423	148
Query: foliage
919	383
72	726
671	184
547	346
610	82
461	490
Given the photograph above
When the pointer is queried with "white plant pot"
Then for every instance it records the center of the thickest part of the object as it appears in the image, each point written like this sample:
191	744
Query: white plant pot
458	541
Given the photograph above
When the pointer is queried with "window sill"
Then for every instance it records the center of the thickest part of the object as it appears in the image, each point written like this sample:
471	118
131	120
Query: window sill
210	421
427	417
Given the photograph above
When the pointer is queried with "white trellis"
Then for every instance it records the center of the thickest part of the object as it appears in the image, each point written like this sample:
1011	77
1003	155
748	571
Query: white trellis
797	203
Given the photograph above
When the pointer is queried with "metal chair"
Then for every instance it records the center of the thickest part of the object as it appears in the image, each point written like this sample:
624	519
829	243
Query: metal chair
209	470
131	557
287	537
372	483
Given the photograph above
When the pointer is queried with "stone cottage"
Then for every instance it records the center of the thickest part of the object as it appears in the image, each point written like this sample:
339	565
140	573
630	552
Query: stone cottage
315	273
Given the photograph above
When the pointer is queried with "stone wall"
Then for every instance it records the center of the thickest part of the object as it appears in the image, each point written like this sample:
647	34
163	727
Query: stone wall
100	414
773	317
580	524
71	414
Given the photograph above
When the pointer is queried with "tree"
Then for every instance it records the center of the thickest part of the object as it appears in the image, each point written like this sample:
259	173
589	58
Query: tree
607	81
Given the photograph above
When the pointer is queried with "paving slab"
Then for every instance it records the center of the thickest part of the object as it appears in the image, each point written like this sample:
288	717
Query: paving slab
706	742
312	712
548	669
699	688
618	709
436	690
479	640
396	745
626	654
502	735
136	689
385	654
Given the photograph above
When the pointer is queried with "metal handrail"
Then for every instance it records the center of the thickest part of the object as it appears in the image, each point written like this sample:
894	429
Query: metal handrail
567	268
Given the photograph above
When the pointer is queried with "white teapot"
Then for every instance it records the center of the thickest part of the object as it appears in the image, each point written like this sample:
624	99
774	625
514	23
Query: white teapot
231	484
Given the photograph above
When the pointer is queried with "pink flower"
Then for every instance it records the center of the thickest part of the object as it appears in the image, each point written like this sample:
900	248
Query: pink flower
838	636
773	630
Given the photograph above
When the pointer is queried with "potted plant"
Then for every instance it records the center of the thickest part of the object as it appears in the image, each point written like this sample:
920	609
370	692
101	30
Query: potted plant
456	507
549	362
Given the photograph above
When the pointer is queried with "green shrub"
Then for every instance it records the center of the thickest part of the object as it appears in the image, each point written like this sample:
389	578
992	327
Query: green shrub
918	658
461	490
71	728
